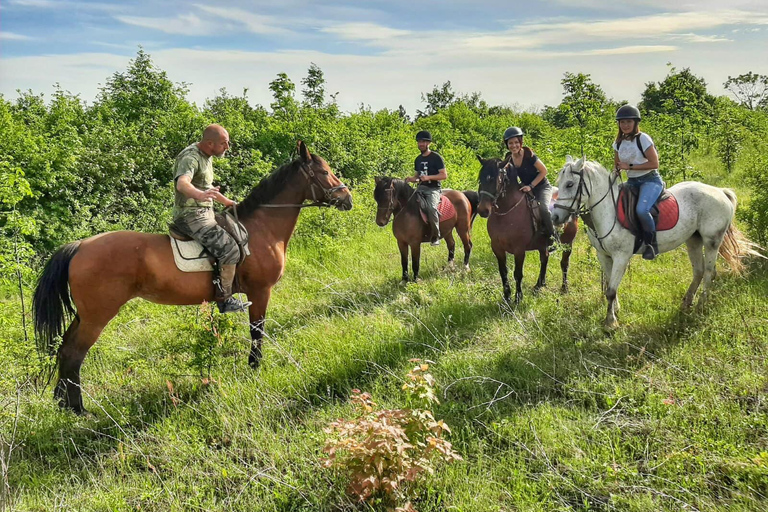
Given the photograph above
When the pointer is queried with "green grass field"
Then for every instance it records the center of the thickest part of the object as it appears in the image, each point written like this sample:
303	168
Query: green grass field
668	413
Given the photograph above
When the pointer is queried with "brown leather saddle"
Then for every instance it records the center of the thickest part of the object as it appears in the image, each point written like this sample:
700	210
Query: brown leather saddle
226	220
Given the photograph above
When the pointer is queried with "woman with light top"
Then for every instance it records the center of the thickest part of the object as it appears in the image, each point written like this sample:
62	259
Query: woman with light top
634	152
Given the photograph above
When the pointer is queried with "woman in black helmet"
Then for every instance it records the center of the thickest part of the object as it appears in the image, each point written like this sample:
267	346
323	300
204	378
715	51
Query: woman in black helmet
533	175
634	152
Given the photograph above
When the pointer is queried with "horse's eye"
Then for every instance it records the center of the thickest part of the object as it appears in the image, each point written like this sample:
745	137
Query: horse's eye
569	185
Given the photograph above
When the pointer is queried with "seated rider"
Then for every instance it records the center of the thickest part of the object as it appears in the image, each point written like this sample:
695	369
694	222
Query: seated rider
193	210
533	175
430	171
634	152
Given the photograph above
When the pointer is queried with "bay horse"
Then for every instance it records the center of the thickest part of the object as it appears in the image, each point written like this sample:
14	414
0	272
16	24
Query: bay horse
706	216
396	197
101	273
510	226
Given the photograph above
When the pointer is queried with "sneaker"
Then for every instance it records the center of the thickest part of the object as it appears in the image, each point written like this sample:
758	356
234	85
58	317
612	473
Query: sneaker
233	305
649	253
436	241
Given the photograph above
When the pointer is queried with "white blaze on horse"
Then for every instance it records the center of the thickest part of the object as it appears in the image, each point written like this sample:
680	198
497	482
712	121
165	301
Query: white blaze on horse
705	225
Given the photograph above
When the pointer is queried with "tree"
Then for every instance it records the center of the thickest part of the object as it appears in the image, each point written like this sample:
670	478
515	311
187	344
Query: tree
282	91
437	100
750	89
314	91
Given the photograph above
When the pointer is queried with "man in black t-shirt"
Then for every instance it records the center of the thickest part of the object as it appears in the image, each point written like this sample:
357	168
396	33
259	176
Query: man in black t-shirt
430	171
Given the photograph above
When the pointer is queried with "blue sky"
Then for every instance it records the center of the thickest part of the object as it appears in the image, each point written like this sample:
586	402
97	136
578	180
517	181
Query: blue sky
382	54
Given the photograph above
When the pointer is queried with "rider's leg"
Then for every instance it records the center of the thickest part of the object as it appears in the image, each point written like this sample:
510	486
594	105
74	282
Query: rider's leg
432	201
650	189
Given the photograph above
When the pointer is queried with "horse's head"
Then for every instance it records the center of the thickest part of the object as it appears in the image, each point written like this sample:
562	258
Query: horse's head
573	189
323	185
386	199
491	184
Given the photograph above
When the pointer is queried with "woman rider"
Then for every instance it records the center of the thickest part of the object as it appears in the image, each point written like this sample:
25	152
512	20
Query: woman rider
634	152
533	175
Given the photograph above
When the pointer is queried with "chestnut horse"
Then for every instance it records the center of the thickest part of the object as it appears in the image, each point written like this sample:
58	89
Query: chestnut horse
510	226
101	273
394	196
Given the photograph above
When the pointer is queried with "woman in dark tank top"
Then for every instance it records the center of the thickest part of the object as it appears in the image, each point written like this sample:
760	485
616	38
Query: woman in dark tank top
533	175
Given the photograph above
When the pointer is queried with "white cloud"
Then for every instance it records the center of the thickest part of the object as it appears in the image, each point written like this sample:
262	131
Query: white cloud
371	32
255	23
624	50
184	24
12	36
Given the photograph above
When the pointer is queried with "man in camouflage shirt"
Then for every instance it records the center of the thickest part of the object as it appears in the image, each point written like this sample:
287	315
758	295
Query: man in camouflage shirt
193	210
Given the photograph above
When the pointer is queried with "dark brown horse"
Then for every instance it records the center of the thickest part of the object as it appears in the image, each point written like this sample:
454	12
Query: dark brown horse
101	273
397	197
510	226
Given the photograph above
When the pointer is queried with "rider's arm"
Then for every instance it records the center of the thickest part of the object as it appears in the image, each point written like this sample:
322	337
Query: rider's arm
440	176
184	185
616	161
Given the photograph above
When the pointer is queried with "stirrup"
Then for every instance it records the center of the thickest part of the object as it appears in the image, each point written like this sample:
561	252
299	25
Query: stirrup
233	305
650	253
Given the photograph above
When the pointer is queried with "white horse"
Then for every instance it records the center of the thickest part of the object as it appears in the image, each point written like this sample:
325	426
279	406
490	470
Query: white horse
706	220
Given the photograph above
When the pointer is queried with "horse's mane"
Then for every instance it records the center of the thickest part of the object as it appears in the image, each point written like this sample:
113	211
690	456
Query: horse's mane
589	165
268	188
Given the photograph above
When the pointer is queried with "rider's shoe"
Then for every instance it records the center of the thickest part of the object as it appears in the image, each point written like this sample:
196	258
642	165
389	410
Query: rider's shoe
232	305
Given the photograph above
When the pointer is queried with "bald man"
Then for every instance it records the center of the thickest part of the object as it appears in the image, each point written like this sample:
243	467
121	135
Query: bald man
193	210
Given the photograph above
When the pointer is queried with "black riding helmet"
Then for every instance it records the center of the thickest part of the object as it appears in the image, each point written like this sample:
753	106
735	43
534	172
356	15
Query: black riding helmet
512	131
628	112
424	135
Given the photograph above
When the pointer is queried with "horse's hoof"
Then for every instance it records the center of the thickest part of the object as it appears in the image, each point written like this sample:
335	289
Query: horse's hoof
564	288
254	359
466	268
610	326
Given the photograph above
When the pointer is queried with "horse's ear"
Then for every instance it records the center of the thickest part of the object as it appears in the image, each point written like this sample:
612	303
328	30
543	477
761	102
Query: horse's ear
568	159
377	180
301	148
480	159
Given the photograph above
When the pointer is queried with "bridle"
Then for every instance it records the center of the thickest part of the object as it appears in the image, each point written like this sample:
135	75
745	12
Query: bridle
576	208
327	193
502	182
392	202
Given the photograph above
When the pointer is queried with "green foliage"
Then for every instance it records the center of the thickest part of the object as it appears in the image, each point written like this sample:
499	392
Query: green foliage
209	335
385	452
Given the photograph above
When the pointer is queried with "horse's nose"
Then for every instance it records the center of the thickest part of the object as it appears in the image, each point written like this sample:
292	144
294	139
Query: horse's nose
345	204
484	212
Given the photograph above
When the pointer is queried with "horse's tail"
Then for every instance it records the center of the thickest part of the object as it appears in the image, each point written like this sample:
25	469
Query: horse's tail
474	201
52	303
736	246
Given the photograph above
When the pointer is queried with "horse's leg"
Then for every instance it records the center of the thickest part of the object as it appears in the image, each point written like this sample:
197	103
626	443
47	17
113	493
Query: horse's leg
501	257
415	257
77	342
606	265
695	254
618	268
519	262
544	262
711	249
403	246
451	243
256	314
564	263
466	240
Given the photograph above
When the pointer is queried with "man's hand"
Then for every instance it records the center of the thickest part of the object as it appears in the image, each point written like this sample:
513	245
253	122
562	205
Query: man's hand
525	188
423	178
411	179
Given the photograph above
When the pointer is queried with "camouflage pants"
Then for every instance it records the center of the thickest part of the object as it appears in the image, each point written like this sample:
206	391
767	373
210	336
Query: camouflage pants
200	224
431	200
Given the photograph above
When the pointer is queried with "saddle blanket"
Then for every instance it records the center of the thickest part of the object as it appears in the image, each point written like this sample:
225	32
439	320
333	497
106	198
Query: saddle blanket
668	211
445	210
191	256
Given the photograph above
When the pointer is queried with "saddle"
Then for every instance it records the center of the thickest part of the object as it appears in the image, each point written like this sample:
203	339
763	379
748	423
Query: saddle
191	256
445	210
665	212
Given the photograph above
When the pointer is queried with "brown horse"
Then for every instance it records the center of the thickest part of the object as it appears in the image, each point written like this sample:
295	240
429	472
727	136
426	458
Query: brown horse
107	270
510	226
397	197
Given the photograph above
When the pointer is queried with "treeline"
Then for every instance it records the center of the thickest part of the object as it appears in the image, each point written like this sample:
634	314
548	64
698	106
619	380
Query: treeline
69	169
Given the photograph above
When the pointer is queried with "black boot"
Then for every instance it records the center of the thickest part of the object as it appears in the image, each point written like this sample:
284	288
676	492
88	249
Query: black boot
651	247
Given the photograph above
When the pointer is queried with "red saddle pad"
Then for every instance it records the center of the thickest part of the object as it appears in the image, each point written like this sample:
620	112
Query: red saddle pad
669	212
445	209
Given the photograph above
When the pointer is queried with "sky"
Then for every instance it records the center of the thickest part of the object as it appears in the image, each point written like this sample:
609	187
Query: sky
382	54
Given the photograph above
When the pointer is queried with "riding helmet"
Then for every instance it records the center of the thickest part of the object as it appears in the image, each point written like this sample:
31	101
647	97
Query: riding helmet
512	131
424	135
628	112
